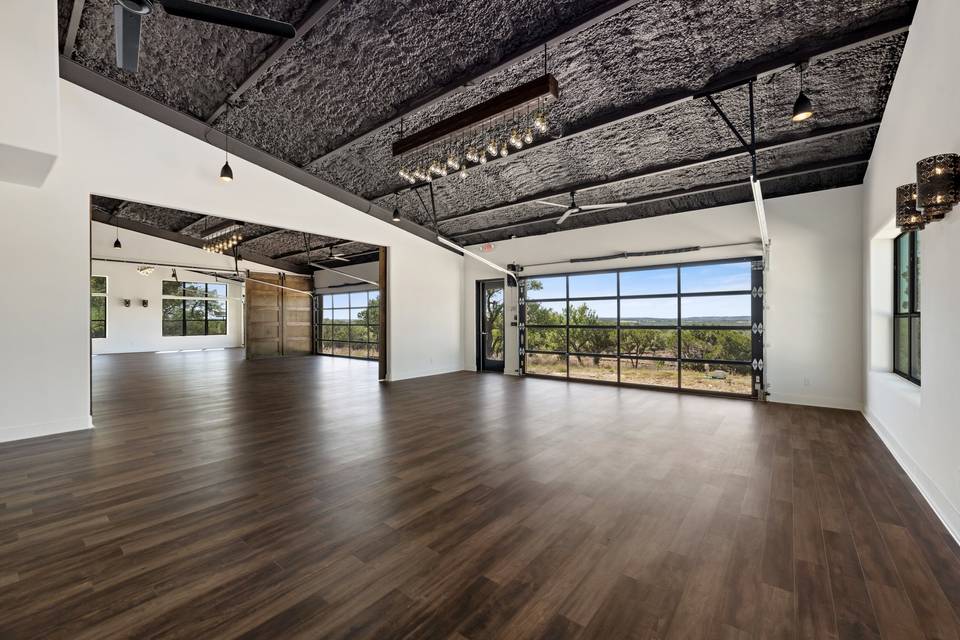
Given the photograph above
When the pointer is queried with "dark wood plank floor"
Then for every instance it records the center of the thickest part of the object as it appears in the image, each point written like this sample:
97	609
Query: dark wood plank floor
297	498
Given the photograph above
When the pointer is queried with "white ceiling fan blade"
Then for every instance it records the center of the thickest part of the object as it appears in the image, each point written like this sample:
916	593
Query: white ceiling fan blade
609	205
551	204
566	214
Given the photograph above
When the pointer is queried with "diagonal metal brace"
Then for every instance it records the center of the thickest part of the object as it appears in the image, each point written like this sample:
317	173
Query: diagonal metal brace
730	125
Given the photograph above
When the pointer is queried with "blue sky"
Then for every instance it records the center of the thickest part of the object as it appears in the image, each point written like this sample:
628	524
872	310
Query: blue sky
694	279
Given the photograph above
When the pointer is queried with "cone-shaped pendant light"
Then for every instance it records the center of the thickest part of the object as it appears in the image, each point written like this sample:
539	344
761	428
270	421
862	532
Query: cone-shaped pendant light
226	173
802	108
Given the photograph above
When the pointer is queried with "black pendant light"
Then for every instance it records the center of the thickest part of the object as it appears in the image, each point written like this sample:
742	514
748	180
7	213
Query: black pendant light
802	108
396	209
116	243
226	173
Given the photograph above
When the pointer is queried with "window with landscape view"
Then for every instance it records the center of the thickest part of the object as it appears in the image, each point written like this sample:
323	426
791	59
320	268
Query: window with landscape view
679	326
194	308
350	325
98	306
906	306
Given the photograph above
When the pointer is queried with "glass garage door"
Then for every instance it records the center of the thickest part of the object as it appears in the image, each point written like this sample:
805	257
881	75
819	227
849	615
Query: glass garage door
693	327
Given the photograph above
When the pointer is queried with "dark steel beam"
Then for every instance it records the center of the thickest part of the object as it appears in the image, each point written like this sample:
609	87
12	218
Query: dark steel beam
92	81
402	110
680	193
73	26
318	9
98	215
322	247
729	154
738	76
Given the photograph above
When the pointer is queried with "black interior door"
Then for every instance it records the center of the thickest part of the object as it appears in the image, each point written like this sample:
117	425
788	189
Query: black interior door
490	325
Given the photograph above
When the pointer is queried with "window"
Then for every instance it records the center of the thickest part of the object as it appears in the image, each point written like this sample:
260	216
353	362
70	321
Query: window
906	306
194	308
98	306
350	324
680	326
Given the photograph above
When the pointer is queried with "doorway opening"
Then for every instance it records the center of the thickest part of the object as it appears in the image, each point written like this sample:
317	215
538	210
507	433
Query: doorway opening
196	297
490	325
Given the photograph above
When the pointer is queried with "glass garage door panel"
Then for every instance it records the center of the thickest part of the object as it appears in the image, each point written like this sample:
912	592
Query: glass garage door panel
547	288
716	311
593	285
734	276
648	282
655	312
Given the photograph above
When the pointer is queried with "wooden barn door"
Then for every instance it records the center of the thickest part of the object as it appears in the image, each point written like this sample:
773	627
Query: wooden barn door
297	330
279	322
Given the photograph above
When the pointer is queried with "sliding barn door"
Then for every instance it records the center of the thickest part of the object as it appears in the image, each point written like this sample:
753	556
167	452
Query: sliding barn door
279	321
264	305
297	316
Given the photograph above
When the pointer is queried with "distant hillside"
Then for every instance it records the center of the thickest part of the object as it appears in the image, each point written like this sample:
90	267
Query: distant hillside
698	320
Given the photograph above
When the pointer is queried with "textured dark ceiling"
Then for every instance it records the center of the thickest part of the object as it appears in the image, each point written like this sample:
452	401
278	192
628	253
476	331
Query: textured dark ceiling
329	103
258	240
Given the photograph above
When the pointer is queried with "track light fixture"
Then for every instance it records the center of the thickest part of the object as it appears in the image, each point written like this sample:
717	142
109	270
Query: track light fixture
802	108
226	173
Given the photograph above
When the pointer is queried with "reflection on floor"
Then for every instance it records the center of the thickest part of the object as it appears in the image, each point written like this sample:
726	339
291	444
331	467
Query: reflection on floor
298	497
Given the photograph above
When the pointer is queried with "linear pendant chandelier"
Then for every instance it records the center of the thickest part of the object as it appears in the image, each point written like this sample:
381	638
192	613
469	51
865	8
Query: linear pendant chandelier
493	128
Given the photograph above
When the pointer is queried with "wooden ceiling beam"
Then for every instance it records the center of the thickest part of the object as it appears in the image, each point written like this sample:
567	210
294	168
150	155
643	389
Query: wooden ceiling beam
596	15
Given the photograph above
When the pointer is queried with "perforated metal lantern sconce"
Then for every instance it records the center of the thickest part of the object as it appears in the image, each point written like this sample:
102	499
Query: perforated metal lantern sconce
938	185
908	217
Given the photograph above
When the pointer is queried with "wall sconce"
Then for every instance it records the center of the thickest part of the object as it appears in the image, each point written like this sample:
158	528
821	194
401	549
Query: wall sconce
145	302
126	302
908	218
938	185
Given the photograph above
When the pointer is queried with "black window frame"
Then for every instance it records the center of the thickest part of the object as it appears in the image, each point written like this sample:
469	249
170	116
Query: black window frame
755	327
184	299
912	316
327	345
103	296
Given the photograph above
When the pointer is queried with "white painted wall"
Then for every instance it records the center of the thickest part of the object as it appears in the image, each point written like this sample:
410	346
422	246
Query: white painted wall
29	108
110	150
813	325
137	328
919	424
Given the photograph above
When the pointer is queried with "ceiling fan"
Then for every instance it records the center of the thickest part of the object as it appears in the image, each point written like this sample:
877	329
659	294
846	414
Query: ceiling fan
337	256
127	15
575	208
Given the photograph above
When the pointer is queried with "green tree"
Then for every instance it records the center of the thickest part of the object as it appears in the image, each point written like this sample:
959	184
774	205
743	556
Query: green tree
647	342
589	340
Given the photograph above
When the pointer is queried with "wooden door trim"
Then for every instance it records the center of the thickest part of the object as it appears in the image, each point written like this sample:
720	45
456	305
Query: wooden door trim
384	305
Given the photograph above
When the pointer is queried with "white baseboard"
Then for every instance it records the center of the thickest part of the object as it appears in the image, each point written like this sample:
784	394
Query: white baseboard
817	401
948	512
37	430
